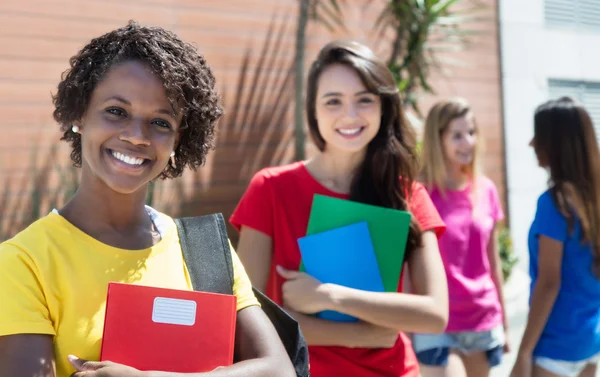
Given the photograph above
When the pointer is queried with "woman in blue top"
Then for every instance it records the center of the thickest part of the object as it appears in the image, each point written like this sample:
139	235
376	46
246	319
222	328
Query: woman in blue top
562	337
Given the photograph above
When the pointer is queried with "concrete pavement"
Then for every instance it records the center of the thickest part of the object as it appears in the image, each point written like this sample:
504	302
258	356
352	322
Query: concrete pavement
516	295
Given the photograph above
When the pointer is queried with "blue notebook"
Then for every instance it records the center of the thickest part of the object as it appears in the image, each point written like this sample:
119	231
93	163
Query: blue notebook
342	256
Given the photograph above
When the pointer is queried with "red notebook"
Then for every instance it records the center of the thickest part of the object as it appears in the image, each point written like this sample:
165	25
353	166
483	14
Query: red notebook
168	330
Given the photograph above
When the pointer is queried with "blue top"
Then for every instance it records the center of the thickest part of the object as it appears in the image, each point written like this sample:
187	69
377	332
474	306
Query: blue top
572	332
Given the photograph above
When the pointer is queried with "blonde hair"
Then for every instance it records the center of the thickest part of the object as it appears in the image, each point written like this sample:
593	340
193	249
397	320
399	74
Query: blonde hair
433	162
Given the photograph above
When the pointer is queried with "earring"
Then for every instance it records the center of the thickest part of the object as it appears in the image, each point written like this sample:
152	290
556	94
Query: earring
173	154
75	129
173	159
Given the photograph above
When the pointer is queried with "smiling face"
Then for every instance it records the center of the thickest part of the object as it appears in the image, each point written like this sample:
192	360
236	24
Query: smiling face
129	129
348	115
459	141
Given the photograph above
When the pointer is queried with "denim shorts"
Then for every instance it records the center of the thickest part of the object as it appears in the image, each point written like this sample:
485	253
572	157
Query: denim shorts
565	368
434	349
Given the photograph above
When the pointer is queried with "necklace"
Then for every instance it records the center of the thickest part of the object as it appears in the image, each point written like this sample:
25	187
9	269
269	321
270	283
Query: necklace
154	230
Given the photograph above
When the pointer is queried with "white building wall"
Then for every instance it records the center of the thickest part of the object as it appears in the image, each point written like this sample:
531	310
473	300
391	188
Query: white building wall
532	53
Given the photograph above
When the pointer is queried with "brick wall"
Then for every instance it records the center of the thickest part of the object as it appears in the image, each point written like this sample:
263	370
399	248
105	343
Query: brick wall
479	82
249	44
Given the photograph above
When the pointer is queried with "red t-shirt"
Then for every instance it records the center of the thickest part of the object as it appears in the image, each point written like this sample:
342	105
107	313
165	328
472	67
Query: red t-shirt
277	203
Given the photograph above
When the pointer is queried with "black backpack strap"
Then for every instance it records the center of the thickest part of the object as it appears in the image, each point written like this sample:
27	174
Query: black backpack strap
205	247
206	252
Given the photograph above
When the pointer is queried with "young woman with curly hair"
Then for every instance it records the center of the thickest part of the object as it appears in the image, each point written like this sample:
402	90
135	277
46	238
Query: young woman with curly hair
366	154
137	104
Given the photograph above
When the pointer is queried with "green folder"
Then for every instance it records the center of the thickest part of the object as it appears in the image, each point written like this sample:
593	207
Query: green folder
388	229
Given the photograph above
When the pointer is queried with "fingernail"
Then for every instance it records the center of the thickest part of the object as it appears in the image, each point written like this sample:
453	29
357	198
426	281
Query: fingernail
72	358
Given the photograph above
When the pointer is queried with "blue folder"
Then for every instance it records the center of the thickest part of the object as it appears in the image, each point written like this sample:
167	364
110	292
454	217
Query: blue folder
342	256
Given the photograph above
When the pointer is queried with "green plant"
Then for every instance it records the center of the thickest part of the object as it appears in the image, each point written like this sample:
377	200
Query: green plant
423	30
505	249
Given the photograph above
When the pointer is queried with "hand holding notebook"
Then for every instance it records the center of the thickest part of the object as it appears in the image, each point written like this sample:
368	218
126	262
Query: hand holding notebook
168	330
388	230
342	256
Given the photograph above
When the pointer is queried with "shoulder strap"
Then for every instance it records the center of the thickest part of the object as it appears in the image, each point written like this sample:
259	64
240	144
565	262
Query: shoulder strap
206	252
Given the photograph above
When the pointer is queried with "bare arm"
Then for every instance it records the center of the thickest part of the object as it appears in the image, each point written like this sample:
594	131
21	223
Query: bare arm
497	275
424	311
255	250
544	293
27	355
361	334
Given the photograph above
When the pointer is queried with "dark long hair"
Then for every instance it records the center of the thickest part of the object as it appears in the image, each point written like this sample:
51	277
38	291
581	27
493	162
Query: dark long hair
565	142
385	177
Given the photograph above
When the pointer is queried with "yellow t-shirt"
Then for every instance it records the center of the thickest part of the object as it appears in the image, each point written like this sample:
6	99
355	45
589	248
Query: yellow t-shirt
54	279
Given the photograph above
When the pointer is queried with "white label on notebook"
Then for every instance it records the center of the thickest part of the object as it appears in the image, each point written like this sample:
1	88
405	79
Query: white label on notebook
174	311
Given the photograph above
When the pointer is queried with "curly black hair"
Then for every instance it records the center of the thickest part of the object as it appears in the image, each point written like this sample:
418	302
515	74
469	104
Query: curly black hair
188	80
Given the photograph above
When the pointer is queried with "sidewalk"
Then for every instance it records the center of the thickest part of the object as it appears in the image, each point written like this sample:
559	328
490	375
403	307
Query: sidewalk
516	295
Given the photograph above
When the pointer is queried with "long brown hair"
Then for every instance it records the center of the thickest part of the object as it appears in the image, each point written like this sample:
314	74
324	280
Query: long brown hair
565	142
385	177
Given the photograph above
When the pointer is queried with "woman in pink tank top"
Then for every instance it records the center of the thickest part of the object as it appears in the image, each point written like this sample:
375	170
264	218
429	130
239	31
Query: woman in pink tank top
468	203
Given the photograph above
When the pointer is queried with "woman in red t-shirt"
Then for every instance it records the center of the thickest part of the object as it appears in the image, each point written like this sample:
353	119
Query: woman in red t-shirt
356	120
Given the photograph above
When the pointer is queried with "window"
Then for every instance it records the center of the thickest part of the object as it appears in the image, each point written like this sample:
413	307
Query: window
587	93
573	14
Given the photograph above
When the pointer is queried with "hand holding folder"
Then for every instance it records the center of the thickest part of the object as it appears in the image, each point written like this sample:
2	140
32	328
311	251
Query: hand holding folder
342	256
169	330
388	230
